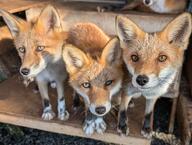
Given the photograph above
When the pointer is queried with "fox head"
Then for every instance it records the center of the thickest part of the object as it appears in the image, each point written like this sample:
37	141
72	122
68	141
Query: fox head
37	42
153	58
96	80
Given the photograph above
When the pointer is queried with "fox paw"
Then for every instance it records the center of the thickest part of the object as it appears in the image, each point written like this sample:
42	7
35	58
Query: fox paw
100	125
48	114
146	132
89	127
63	115
123	129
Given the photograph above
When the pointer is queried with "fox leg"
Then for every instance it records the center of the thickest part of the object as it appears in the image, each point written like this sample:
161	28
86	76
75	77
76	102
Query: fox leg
48	113
122	127
148	120
61	108
76	100
93	123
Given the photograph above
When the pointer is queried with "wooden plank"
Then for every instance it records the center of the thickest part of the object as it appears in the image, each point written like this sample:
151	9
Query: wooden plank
20	5
184	113
106	21
20	106
98	1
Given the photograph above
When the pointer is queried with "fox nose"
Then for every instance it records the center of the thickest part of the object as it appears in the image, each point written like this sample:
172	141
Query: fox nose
100	110
25	71
147	2
142	80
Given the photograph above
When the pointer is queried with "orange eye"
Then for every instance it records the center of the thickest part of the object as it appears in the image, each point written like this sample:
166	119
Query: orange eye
86	85
134	58
22	49
40	48
162	58
109	82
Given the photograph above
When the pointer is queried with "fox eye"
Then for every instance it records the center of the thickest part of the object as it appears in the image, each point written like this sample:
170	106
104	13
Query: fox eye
22	49
86	85
162	58
108	82
134	58
40	48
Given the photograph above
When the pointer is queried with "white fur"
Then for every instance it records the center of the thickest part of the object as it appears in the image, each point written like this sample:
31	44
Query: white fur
159	6
89	127
116	88
85	97
53	85
48	113
98	125
62	115
160	88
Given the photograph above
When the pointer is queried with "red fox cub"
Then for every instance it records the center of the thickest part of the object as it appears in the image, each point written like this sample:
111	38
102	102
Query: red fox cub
159	6
166	6
39	45
94	64
153	60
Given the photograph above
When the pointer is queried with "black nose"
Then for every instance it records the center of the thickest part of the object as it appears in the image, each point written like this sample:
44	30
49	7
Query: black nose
142	80
147	2
25	71
100	110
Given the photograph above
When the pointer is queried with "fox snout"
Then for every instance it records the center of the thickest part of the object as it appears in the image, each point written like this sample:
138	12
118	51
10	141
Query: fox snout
25	71
100	110
142	80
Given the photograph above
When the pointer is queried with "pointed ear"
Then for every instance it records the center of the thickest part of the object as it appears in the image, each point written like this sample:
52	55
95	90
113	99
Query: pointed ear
49	19
15	24
127	30
111	54
74	58
178	31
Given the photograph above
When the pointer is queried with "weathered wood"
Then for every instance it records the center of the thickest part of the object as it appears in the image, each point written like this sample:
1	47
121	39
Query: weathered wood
183	122
20	5
106	20
98	1
184	113
20	106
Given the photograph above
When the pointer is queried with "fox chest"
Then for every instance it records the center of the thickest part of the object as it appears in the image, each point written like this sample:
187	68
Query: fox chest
53	72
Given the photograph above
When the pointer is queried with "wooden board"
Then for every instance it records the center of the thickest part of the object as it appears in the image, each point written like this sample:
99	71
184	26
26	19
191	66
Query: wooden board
184	112
71	14
20	5
20	106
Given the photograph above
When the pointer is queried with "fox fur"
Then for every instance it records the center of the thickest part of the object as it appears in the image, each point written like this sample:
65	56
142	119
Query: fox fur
39	45
153	60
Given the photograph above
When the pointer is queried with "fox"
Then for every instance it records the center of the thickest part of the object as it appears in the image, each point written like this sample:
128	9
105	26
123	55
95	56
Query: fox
158	6
94	64
39	45
153	61
166	6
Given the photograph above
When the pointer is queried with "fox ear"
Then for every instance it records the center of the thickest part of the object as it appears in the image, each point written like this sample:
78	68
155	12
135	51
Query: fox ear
74	58
179	30
15	24
49	19
126	29
111	54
